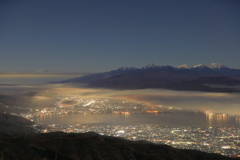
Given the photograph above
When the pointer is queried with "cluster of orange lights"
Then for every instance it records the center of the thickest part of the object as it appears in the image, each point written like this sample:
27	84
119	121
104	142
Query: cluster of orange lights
152	111
125	112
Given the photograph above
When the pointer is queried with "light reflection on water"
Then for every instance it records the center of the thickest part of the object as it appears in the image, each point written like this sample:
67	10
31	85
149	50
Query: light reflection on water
163	119
222	120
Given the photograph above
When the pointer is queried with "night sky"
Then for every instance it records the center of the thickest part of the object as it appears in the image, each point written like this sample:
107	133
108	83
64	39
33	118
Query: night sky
102	35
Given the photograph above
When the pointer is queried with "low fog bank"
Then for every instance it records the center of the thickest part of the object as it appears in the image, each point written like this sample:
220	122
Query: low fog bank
22	98
35	79
205	101
46	95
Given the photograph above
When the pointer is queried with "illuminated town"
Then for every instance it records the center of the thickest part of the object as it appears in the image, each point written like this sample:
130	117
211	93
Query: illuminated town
220	140
212	139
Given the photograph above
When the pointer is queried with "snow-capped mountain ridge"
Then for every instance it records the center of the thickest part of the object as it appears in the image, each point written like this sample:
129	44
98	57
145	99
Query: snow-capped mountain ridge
184	66
201	66
182	72
151	65
214	66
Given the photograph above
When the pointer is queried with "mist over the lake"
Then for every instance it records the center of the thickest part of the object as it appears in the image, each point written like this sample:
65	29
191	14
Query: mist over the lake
227	103
35	95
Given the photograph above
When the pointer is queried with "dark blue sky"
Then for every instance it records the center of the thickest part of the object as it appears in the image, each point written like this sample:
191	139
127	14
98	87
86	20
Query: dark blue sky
101	35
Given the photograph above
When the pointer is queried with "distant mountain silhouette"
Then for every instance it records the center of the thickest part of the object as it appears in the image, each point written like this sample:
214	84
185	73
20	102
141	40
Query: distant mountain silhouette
207	84
42	71
98	76
167	77
228	81
169	82
145	79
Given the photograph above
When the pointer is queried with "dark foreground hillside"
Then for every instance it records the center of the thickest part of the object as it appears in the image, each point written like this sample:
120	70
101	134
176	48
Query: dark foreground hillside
91	146
19	141
12	125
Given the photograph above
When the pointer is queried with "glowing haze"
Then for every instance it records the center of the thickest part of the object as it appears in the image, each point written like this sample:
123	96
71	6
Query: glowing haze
204	101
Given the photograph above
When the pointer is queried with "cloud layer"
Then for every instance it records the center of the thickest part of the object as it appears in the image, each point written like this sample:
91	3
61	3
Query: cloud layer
45	94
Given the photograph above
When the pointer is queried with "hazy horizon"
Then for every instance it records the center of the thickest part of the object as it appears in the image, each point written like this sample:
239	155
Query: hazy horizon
81	73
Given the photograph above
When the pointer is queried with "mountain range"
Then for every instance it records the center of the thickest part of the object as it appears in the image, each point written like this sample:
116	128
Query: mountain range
42	71
199	77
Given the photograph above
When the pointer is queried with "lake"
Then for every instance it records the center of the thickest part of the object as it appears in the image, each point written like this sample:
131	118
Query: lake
196	119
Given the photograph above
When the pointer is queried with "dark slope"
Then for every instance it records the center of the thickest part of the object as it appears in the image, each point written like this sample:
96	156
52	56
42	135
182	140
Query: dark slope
12	125
19	141
89	146
228	81
184	80
98	76
145	79
207	84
